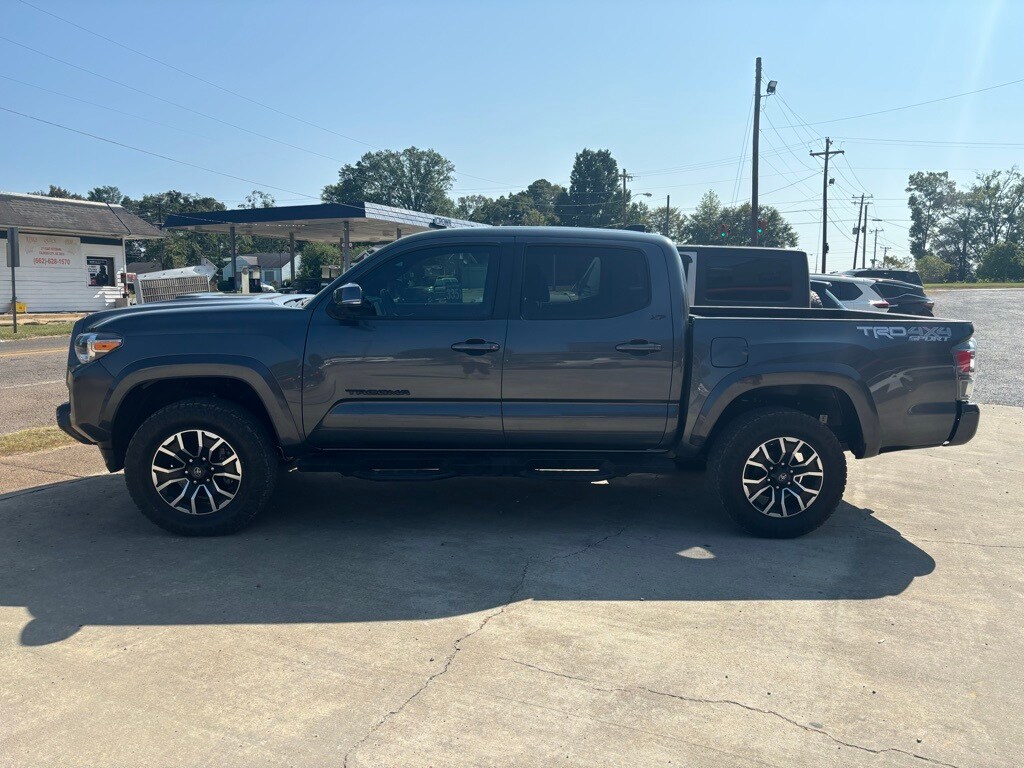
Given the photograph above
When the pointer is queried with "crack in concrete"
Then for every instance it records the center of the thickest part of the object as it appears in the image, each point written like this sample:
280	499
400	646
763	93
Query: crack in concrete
457	646
797	723
732	702
911	538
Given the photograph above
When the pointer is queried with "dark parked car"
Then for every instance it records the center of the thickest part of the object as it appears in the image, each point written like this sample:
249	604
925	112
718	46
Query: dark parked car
551	352
903	275
905	298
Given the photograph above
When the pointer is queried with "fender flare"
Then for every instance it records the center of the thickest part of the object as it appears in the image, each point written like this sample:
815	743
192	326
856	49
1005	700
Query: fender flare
840	377
237	367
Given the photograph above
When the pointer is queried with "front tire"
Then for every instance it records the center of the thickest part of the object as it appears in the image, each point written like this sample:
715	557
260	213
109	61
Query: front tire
777	472
201	467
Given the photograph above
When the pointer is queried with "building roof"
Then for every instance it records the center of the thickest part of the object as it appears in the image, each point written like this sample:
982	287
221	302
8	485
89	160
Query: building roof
368	222
34	213
142	267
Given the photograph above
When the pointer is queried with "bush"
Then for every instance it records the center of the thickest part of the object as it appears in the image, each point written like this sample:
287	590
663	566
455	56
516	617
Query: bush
1002	262
933	269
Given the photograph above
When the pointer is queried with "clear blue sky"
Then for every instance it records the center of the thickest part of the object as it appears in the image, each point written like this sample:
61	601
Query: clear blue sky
510	91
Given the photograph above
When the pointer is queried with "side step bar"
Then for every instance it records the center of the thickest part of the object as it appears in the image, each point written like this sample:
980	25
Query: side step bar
441	465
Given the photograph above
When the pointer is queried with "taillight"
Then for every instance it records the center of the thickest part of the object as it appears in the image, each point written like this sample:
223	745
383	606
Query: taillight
880	303
966	364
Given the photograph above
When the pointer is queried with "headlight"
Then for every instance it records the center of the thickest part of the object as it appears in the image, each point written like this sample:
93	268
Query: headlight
89	346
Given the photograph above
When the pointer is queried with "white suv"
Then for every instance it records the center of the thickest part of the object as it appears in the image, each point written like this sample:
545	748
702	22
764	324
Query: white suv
855	292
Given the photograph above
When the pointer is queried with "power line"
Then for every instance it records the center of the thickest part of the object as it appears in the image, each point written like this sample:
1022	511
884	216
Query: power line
933	143
154	154
101	106
172	103
181	71
743	154
212	84
918	104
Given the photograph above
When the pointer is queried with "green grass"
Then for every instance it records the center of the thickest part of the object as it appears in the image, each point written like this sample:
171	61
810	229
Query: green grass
34	439
949	286
35	330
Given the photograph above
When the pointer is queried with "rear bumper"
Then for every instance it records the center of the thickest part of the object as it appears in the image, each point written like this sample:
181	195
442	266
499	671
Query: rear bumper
966	425
64	422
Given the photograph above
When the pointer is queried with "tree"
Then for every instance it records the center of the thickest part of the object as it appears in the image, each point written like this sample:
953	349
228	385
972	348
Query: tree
676	223
957	240
258	199
417	179
932	269
545	195
705	224
315	256
55	191
930	195
593	198
178	248
892	261
711	219
471	207
1002	262
111	195
996	200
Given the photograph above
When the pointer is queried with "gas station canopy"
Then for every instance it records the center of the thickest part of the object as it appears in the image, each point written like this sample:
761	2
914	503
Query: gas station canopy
327	223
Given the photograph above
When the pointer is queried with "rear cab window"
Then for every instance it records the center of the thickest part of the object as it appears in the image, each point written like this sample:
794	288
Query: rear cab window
743	277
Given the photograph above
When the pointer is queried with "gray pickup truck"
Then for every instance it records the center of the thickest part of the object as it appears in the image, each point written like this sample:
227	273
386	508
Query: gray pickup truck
536	352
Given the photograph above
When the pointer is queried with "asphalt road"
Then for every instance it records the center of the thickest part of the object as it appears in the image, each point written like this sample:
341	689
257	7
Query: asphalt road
31	382
32	379
514	622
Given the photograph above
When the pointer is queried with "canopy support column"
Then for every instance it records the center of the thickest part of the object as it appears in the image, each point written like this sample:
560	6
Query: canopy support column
398	233
346	248
291	255
234	260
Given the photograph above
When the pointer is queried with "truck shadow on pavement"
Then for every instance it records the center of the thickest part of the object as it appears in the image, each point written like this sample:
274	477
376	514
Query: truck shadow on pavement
340	550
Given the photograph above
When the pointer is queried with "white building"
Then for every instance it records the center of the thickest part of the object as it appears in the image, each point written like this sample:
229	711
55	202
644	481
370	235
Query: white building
72	252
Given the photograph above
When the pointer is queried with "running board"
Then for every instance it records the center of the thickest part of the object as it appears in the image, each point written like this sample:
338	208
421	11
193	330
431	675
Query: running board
440	465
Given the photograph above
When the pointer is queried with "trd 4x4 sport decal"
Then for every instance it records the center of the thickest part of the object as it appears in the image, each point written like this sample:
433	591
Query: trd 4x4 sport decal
913	333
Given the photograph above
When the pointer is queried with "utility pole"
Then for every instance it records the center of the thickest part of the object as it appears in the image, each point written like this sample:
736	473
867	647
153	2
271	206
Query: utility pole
856	243
874	253
864	247
885	253
625	200
668	199
824	198
755	153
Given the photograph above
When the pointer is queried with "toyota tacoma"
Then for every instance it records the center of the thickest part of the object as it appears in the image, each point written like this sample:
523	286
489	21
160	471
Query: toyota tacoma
534	352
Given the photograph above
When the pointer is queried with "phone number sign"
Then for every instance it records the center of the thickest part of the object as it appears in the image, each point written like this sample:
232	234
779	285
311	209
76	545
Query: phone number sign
51	251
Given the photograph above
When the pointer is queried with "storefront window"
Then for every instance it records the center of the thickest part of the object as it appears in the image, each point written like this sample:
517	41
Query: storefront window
101	271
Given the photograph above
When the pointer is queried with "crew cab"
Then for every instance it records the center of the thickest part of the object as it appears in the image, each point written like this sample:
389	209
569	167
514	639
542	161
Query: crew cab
536	352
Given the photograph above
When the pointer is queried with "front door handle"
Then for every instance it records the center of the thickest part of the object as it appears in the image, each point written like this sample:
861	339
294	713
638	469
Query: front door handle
638	347
476	346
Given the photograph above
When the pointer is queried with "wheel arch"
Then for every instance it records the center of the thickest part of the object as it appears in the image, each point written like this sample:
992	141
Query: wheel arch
138	394
843	401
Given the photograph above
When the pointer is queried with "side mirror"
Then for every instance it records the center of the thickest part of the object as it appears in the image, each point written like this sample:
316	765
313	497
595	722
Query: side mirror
349	295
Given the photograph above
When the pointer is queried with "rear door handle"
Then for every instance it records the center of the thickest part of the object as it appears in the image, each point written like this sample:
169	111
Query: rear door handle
476	346
638	347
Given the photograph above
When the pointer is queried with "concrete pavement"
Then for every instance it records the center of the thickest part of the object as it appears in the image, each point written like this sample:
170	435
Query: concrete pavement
514	622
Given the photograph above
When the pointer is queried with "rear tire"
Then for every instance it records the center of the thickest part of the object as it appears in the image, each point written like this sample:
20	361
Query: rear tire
777	472
201	467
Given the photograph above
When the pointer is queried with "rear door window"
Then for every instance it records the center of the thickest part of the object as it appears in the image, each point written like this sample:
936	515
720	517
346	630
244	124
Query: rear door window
845	291
581	283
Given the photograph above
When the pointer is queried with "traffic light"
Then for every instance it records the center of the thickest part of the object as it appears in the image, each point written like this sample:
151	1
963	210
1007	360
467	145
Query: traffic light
760	226
723	232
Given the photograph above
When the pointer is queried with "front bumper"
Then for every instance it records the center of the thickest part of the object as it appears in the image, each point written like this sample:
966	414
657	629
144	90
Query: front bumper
966	426
64	422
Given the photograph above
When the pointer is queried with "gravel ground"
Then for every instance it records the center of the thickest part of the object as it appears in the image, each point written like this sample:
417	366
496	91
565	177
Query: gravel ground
998	317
